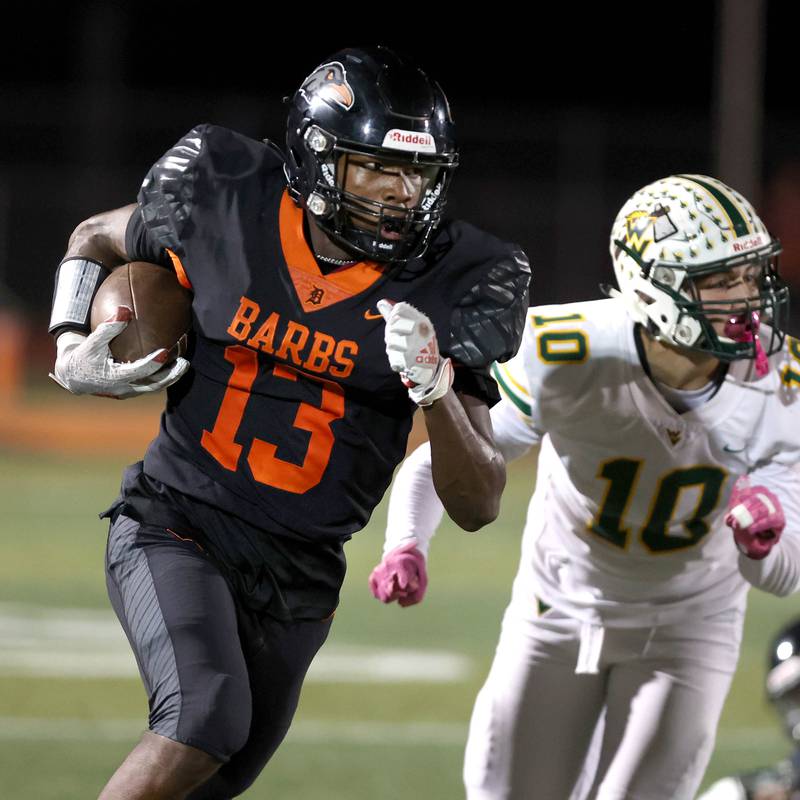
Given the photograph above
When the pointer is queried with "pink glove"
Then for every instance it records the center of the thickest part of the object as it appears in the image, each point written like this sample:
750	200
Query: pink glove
400	576
756	518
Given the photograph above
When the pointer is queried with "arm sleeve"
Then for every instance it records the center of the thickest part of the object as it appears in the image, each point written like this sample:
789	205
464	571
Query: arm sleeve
415	509
779	572
518	386
475	382
140	245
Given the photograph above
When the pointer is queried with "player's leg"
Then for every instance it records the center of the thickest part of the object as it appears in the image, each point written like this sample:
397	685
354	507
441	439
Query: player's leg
663	709
159	768
179	616
278	656
533	718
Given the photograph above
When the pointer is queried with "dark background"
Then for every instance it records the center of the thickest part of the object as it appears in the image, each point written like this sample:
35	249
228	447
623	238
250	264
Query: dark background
559	118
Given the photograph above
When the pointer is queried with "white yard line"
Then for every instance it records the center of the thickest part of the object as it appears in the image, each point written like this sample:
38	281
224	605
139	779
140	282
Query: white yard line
302	732
79	643
311	731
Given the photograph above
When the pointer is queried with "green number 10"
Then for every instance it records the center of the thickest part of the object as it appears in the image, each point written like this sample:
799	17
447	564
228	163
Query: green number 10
622	475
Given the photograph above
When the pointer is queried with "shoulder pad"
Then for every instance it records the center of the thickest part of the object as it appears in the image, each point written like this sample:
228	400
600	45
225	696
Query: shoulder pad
487	323
787	362
167	190
232	156
210	157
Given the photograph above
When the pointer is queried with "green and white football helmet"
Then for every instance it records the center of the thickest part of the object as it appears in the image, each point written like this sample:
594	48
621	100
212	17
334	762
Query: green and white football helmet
684	227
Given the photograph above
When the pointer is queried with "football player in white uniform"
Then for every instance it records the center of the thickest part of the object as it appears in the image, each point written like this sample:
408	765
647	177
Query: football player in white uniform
668	420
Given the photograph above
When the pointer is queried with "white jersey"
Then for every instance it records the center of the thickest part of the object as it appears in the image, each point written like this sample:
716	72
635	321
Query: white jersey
626	526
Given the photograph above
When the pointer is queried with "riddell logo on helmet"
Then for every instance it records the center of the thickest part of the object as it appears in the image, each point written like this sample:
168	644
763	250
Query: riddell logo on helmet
743	245
399	139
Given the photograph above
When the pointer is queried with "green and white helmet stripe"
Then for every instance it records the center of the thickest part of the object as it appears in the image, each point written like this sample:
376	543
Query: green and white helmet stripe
731	204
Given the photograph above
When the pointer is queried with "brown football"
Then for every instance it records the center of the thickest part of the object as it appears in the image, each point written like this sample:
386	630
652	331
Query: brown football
162	310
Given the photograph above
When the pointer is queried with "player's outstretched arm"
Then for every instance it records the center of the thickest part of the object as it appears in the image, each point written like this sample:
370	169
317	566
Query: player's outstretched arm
83	360
415	512
468	470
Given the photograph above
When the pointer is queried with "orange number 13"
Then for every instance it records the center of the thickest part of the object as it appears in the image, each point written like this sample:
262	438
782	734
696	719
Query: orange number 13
265	465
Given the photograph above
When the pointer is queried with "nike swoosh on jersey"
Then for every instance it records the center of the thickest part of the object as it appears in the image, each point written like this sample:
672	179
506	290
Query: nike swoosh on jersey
728	449
370	315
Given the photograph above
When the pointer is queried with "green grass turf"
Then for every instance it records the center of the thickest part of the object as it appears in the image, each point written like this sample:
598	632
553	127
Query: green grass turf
51	553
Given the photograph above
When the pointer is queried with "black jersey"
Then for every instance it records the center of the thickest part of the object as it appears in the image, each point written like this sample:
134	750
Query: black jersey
290	417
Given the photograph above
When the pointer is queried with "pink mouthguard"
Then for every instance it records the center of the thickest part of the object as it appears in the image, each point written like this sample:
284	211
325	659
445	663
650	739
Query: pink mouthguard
744	328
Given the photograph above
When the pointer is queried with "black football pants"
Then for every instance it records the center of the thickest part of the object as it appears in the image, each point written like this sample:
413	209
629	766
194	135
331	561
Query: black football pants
217	678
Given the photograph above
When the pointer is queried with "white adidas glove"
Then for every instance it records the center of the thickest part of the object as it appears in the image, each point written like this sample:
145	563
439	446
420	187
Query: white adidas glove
414	352
84	364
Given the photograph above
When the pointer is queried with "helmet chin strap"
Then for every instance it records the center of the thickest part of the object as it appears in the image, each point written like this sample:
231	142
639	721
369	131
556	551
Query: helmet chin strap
319	240
336	262
744	328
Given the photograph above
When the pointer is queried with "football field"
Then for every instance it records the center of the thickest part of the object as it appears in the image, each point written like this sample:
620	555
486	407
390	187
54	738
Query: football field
385	709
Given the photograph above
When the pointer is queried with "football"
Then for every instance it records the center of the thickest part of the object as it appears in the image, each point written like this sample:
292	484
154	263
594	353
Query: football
162	310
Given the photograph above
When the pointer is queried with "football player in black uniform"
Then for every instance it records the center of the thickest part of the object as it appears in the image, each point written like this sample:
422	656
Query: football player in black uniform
286	420
781	781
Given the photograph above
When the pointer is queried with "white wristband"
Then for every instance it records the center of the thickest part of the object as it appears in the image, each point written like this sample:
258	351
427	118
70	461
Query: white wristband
436	390
77	282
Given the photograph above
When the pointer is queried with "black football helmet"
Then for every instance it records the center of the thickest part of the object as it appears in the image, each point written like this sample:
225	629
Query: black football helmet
370	102
783	678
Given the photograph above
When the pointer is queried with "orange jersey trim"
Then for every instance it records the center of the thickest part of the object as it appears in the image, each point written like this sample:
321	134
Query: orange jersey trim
315	290
180	270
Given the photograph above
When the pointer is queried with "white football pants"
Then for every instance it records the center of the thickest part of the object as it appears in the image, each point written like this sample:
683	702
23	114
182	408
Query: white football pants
655	700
